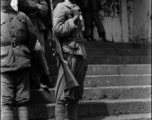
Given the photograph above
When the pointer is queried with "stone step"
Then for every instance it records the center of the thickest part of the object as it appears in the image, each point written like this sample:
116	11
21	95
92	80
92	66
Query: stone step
114	107
118	52
97	93
117	117
117	45
120	117
113	80
95	108
119	59
51	60
121	92
128	69
119	69
144	48
112	52
110	45
116	80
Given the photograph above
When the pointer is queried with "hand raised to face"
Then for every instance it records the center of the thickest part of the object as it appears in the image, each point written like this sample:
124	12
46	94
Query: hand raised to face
76	11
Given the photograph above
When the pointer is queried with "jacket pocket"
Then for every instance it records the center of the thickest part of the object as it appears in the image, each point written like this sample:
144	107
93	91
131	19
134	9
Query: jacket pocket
22	56
22	51
5	31
4	52
7	57
4	27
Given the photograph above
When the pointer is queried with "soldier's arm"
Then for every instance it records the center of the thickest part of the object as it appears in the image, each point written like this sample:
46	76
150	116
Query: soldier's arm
31	34
42	8
62	26
27	6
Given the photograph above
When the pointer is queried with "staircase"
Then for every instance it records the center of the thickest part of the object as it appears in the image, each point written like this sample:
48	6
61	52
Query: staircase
117	85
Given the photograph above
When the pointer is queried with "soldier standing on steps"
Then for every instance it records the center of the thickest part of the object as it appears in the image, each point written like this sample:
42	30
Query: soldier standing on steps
37	10
66	23
18	38
90	10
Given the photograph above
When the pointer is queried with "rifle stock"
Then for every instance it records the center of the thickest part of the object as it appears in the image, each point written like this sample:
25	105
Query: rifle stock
69	77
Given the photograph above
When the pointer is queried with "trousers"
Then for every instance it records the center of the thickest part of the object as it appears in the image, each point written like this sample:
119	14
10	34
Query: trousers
88	18
15	92
64	97
60	109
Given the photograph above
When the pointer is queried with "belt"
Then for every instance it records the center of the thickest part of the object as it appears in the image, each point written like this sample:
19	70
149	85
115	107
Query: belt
12	43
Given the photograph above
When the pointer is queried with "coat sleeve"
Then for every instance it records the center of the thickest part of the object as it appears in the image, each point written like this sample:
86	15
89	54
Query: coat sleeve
31	34
43	12
62	26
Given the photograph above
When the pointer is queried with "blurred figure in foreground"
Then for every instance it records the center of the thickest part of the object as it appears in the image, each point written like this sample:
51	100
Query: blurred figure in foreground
18	38
37	11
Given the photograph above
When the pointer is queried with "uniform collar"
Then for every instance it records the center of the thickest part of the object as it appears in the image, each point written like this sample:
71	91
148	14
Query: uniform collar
69	4
10	9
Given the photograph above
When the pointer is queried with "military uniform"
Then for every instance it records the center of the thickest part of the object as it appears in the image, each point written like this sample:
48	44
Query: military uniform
37	10
90	9
30	8
18	38
75	54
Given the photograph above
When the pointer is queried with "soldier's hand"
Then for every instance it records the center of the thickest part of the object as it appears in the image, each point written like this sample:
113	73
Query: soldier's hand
40	7
37	46
76	11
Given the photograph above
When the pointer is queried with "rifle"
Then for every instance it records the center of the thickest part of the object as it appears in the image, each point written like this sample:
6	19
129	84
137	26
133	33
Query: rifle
69	77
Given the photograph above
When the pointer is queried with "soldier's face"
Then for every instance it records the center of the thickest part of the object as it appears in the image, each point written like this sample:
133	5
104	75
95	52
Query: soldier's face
5	3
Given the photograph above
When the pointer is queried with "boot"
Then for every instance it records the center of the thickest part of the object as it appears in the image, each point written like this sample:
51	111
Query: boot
7	113
23	113
103	35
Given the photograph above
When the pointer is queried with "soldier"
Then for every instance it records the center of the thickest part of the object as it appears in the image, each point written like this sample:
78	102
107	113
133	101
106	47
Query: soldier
90	9
18	38
37	10
66	23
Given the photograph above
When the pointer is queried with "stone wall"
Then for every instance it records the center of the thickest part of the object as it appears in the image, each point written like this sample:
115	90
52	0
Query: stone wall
111	18
132	24
115	20
141	21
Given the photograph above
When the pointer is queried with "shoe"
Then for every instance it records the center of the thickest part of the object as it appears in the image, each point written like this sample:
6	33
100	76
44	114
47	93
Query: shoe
103	36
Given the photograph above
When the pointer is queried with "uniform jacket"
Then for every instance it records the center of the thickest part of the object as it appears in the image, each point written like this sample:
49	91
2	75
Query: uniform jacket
66	30
16	26
30	8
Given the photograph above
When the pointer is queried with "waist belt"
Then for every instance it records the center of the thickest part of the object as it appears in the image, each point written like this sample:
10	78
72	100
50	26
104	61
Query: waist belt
12	43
